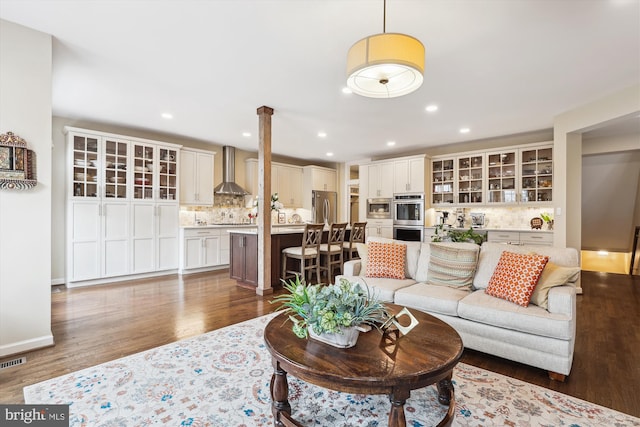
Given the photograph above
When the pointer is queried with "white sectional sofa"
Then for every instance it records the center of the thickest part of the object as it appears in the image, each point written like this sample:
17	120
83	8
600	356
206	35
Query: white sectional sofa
533	335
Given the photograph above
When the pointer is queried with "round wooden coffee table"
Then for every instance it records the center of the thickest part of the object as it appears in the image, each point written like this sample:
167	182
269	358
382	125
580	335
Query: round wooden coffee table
379	363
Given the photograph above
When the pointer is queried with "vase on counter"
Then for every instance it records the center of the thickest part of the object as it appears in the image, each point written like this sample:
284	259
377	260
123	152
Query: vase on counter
550	225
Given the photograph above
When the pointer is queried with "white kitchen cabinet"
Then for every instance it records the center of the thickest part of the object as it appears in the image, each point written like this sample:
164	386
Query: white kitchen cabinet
286	180
319	178
108	234
536	174
201	249
196	177
409	175
379	228
536	238
154	236
442	181
288	184
469	177
380	179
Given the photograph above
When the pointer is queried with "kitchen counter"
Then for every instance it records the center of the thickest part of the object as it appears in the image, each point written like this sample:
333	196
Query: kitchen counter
496	229
244	252
241	226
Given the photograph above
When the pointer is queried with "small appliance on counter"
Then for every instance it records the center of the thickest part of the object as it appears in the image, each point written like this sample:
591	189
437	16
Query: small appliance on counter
477	220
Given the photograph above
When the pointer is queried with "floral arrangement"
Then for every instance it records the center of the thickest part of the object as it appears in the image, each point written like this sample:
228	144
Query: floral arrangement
548	219
447	235
276	205
328	308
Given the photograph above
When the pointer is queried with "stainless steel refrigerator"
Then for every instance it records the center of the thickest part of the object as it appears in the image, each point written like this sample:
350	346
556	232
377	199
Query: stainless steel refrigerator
324	206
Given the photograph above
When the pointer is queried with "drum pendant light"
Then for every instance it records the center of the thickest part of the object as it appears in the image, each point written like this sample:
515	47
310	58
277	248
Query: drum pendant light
385	65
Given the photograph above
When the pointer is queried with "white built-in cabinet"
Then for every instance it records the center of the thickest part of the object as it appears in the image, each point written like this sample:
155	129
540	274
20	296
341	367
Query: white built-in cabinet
408	175
122	206
292	183
511	175
196	177
200	247
379	179
319	178
379	228
286	180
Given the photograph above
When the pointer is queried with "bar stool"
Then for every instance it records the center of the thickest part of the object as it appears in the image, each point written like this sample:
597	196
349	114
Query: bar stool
308	254
331	252
357	236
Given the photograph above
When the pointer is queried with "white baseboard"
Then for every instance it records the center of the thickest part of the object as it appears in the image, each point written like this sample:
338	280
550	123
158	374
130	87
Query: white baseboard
56	282
26	345
120	278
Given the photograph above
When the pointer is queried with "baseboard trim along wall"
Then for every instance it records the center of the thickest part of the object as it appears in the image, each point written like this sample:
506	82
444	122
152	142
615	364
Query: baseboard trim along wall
27	345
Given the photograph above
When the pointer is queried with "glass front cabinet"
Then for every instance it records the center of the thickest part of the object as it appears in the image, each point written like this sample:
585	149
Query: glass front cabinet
442	187
470	179
513	175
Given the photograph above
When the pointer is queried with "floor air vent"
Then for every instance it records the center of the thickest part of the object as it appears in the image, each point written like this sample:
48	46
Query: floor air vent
14	362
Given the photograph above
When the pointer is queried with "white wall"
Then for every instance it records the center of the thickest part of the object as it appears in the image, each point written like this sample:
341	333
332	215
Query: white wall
25	216
567	136
609	190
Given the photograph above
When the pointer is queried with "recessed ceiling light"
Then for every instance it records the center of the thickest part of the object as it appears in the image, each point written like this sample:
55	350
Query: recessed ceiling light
391	143
329	154
167	116
431	108
465	130
322	134
246	134
346	90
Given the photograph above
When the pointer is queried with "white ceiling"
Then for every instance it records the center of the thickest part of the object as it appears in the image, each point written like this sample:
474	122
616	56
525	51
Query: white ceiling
498	67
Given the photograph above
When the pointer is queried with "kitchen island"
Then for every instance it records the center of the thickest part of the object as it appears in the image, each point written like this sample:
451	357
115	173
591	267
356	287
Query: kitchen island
243	263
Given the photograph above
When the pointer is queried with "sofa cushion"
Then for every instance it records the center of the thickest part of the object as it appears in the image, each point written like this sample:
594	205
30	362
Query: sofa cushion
490	255
386	260
515	277
432	299
383	288
483	308
553	275
452	264
423	262
413	252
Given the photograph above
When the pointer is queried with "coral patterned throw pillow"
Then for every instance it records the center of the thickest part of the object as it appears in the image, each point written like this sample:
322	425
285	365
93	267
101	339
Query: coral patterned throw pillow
386	260
516	276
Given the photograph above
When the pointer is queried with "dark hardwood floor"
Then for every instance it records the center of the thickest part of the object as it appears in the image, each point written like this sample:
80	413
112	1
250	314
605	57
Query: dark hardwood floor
96	324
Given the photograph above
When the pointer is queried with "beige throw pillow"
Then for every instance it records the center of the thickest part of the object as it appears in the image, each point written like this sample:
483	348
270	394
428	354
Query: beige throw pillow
552	275
452	264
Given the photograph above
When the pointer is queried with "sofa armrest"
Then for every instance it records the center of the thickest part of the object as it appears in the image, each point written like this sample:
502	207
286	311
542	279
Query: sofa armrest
562	300
352	268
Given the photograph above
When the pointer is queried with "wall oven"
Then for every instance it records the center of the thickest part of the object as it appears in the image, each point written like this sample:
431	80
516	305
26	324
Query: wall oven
379	208
408	216
408	233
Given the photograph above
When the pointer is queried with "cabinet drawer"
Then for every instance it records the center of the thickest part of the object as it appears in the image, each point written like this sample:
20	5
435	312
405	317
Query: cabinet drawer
201	232
536	239
503	236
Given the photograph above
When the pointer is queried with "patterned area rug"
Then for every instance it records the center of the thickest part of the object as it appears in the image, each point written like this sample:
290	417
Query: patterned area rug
222	379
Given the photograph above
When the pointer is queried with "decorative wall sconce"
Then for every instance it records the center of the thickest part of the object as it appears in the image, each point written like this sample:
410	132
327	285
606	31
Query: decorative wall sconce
17	163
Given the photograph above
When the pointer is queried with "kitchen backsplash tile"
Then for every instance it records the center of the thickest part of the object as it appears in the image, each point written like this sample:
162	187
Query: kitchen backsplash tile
494	217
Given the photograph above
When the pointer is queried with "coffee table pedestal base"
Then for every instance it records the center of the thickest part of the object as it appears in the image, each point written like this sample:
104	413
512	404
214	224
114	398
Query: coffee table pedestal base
281	409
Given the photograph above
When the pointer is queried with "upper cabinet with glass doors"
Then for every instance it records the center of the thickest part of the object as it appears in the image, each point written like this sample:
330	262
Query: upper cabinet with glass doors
154	172
442	174
536	174
501	177
99	167
470	179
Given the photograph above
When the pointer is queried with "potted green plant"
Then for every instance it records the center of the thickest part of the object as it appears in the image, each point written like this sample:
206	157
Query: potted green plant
330	313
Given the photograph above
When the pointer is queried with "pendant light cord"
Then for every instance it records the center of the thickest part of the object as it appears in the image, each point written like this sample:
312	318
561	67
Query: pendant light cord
384	16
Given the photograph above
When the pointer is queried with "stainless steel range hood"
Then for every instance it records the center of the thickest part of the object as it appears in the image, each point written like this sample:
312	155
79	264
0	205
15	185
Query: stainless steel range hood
228	185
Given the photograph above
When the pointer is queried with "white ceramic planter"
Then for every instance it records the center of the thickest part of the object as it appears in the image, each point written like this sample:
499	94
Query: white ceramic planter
346	339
